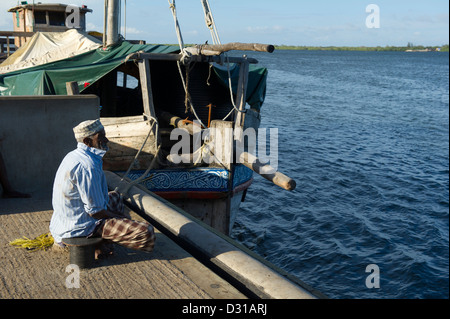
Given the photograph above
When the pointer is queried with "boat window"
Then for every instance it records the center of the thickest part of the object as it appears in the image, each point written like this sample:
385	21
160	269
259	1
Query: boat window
40	17
128	81
57	18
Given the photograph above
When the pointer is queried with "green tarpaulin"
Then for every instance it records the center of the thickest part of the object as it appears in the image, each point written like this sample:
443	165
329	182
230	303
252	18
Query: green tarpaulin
51	78
256	86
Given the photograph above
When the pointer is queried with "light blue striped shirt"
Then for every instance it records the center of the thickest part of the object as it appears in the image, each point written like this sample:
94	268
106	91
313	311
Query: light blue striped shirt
79	190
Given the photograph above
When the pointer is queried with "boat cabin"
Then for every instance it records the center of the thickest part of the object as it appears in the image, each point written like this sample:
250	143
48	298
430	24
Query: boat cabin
50	17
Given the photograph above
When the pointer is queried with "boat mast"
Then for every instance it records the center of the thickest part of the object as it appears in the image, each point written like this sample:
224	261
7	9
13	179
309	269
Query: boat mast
111	22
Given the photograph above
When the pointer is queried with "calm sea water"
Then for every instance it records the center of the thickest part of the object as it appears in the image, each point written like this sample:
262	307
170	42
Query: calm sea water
366	137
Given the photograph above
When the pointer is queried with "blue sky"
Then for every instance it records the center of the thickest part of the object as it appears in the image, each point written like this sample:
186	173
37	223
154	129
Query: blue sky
290	22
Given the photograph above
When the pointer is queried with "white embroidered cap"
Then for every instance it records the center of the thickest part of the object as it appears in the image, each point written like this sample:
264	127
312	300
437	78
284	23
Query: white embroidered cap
87	128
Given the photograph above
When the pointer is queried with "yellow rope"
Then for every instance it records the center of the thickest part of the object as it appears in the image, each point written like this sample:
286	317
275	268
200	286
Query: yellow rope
43	241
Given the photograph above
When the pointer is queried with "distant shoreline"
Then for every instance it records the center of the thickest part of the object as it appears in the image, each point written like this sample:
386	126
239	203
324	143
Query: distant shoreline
419	48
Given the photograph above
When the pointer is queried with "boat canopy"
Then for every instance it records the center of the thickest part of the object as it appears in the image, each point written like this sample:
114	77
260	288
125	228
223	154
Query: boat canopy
46	47
88	62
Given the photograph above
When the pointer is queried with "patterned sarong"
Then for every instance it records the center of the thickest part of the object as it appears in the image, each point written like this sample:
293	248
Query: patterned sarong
124	231
129	233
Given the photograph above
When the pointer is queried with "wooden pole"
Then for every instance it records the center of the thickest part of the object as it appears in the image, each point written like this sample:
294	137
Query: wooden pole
267	171
238	46
241	95
176	121
193	58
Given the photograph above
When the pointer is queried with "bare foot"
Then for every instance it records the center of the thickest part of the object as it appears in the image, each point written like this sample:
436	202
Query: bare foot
104	250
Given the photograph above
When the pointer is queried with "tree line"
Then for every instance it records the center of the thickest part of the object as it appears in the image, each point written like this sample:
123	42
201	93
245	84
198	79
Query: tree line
409	46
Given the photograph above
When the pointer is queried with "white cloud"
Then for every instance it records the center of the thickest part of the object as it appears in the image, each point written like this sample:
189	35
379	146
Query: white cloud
92	27
131	30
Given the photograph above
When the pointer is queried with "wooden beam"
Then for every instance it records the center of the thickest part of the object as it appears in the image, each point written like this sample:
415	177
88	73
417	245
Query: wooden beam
146	86
194	58
241	95
147	96
16	34
266	171
238	46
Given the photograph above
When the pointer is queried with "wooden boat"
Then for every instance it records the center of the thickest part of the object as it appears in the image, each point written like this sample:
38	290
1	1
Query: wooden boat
196	90
210	192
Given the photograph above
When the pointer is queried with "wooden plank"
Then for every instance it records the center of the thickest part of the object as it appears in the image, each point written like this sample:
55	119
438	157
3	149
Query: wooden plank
72	88
126	136
221	135
16	34
121	120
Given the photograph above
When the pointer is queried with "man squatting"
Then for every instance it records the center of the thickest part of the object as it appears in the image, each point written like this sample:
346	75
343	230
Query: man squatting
82	206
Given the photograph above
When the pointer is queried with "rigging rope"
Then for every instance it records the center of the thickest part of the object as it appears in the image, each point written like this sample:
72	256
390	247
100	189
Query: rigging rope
185	57
231	91
125	191
209	20
188	99
172	7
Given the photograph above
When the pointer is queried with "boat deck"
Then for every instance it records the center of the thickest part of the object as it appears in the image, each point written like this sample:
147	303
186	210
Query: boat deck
169	272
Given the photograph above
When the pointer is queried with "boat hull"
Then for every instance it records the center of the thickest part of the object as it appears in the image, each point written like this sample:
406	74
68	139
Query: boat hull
212	195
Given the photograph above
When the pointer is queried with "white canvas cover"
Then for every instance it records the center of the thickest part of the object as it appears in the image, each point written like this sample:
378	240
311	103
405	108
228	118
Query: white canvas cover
45	47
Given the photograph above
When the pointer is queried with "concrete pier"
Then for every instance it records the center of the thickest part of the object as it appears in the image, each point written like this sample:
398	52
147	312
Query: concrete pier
245	270
190	260
168	272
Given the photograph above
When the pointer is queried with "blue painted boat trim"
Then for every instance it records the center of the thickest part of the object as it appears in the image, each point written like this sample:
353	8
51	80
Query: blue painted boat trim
202	179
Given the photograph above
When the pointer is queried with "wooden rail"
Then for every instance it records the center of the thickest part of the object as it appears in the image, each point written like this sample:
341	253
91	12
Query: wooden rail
7	43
